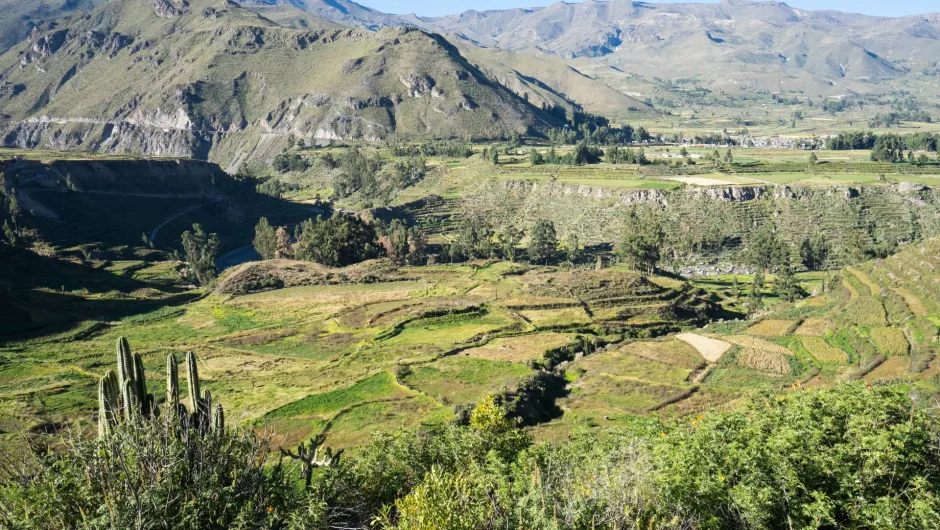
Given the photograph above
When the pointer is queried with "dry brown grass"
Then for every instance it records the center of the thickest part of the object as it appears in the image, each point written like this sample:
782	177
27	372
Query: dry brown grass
823	351
753	343
915	304
891	369
813	327
771	328
519	349
672	352
764	361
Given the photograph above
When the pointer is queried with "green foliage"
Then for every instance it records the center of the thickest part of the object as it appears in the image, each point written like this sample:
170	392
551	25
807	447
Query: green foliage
403	244
786	285
442	500
814	251
850	457
265	241
452	149
336	242
847	457
888	148
291	162
765	252
642	239
543	243
356	172
474	241
621	155
200	250
846	141
509	238
535	157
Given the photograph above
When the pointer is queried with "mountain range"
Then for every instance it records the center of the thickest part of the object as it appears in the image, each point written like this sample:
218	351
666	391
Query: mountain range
232	81
764	45
210	79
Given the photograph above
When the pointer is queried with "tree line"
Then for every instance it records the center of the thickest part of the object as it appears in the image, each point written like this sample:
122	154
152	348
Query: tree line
341	240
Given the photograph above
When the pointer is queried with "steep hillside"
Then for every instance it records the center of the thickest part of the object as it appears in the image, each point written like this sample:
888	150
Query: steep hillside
109	204
19	17
746	45
544	78
210	79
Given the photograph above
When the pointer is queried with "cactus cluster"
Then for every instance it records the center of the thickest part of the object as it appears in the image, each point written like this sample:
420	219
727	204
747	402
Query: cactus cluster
123	397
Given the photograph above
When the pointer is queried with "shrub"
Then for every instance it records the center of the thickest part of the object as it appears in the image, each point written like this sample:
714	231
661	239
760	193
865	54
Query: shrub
145	475
849	457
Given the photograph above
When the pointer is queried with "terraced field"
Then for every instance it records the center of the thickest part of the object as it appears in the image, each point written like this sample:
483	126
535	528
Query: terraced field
346	359
818	341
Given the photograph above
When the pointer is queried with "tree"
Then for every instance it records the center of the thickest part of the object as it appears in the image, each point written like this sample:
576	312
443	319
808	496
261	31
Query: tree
755	297
339	241
265	241
543	243
764	252
536	158
572	248
403	244
509	239
9	233
814	252
200	250
641	243
417	246
282	244
888	148
786	285
813	159
494	156
729	158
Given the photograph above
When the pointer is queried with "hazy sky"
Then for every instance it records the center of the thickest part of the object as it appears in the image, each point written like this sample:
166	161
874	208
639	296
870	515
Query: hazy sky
438	7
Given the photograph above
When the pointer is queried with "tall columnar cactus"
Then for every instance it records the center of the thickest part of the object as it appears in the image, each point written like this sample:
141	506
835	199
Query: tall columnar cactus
192	373
172	385
218	419
125	362
140	385
124	397
128	401
107	403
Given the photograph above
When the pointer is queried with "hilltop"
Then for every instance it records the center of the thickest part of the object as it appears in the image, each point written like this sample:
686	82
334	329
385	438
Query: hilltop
209	79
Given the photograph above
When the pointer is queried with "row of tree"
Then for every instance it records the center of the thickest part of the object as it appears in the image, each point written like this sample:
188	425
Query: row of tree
340	241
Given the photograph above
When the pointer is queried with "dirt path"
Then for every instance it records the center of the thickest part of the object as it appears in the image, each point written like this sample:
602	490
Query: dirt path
710	349
153	233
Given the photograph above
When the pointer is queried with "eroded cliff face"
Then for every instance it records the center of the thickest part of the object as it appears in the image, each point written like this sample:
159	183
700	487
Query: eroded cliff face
719	216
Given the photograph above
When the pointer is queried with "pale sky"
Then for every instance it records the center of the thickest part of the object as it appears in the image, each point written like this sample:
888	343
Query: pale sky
438	7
